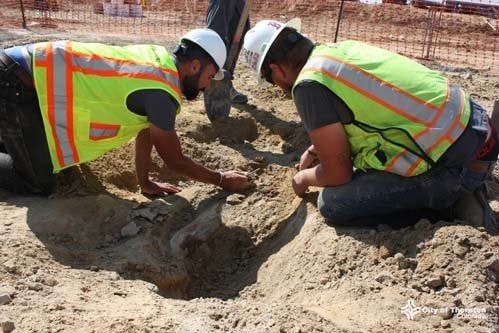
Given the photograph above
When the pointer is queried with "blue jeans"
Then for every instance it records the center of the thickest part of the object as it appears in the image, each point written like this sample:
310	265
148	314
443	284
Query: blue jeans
381	197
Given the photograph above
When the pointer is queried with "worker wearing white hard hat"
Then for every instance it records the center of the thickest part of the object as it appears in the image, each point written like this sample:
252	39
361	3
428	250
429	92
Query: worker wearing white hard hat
259	39
211	43
117	93
392	140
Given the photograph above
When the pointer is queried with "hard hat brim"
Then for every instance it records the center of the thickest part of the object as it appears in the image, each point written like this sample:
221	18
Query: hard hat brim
294	23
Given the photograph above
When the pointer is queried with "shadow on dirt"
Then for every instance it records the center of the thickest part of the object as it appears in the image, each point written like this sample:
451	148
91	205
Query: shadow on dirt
188	247
236	262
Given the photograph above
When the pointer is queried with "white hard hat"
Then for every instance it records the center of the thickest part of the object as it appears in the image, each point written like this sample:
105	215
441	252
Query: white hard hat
212	43
259	39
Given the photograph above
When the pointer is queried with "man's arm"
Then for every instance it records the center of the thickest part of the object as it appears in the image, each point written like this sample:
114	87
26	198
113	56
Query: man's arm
143	149
331	146
323	114
168	147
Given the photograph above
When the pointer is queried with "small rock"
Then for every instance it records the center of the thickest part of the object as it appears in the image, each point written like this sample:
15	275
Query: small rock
384	251
445	324
120	293
216	316
10	266
148	214
492	264
234	199
487	255
445	313
51	282
460	250
35	286
399	256
435	281
462	240
451	282
5	298
454	291
152	287
130	230
385	278
94	268
323	281
7	326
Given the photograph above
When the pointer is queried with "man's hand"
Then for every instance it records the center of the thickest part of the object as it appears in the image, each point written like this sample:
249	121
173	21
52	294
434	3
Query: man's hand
153	188
299	184
235	181
308	158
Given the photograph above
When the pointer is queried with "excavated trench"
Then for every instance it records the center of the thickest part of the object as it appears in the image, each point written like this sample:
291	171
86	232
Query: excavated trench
185	251
201	242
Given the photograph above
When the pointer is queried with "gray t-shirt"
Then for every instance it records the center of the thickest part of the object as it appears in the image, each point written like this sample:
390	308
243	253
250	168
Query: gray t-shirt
318	106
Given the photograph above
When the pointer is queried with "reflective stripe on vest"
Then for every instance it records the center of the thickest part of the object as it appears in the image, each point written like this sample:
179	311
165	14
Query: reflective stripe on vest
441	122
60	67
103	131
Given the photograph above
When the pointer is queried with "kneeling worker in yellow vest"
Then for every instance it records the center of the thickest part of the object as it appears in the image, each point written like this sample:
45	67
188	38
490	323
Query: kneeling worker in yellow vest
394	140
64	103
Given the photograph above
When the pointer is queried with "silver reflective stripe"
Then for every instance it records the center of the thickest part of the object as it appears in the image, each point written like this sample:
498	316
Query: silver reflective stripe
370	86
61	101
40	55
439	122
102	133
129	68
448	122
403	163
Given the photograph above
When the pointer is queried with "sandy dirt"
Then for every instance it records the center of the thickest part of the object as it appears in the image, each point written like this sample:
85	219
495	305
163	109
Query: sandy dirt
98	256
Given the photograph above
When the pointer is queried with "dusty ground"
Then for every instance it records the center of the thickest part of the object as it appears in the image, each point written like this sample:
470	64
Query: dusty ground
100	257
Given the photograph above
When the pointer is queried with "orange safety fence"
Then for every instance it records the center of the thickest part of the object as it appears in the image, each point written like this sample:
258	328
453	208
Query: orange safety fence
453	32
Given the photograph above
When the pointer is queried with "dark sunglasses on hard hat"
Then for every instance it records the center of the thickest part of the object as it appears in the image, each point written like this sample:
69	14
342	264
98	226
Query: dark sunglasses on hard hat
289	43
180	49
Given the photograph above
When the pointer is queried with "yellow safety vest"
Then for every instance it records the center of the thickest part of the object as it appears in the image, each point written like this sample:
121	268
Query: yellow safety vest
82	90
405	115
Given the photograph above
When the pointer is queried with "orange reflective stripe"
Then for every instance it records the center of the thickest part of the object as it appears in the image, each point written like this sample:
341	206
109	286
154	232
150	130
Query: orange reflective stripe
111	73
413	167
123	62
120	62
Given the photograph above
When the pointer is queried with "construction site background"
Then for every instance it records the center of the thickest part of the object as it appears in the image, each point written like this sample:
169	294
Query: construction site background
457	34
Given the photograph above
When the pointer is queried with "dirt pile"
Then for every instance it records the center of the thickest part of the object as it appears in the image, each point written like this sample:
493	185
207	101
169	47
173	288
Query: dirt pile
98	256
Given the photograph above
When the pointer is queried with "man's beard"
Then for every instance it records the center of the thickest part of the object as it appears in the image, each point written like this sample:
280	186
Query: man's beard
190	88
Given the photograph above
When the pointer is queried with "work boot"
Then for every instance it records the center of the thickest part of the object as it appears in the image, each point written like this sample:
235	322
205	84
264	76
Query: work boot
474	208
237	97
